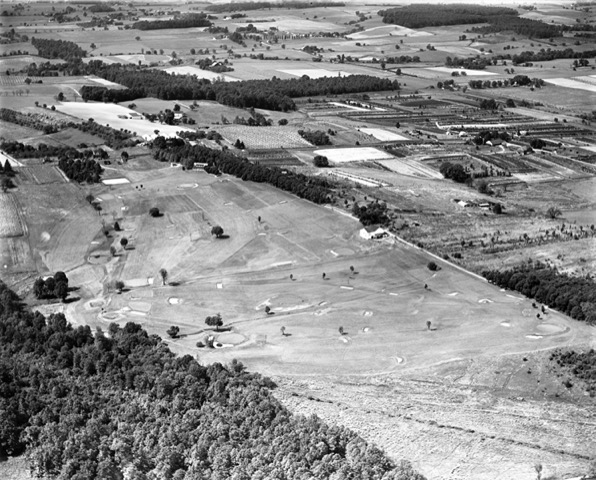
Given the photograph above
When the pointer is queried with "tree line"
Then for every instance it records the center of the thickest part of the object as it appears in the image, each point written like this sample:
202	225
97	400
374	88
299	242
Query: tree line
375	213
315	189
432	15
545	55
274	94
244	6
48	48
27	120
190	20
120	404
574	296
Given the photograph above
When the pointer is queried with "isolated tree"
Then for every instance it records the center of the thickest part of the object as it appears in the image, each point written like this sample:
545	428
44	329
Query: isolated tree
283	331
164	275
173	331
352	268
324	275
321	161
116	226
8	170
124	157
267	309
124	242
341	330
214	321
432	266
113	251
217	231
119	286
553	212
154	212
428	324
291	276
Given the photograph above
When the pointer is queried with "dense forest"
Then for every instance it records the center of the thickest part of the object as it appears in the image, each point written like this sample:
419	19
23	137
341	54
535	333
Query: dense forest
81	170
190	20
245	6
521	26
581	365
315	189
120	404
63	49
274	94
431	15
574	296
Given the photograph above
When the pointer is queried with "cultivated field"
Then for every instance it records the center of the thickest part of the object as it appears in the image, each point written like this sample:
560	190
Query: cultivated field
341	155
10	222
263	137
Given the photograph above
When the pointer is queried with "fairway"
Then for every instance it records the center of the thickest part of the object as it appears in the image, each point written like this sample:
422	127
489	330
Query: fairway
278	261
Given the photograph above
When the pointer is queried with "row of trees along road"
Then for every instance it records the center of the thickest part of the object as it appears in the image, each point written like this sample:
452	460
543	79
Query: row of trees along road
315	189
86	404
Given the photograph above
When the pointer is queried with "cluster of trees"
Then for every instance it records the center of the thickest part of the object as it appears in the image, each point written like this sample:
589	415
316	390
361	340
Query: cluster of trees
488	104
581	364
81	170
315	189
256	119
400	59
51	287
521	26
574	296
244	6
6	174
320	161
317	137
375	213
472	63
454	171
86	404
48	48
190	20
274	94
207	64
519	80
431	15
27	120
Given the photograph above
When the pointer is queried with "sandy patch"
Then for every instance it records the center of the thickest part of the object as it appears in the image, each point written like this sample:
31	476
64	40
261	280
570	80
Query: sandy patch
505	324
184	186
174	301
231	338
550	328
116	181
485	300
383	135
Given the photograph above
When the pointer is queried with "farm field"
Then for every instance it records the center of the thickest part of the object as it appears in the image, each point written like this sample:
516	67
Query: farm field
383	135
10	222
341	155
108	114
575	83
263	137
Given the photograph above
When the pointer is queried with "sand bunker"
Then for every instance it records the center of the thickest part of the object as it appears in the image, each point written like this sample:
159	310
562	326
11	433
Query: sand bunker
534	337
366	329
99	258
505	324
485	300
231	338
367	314
398	360
183	186
96	303
174	301
550	328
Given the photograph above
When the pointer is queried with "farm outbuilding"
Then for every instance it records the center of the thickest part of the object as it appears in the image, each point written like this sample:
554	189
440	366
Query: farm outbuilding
372	232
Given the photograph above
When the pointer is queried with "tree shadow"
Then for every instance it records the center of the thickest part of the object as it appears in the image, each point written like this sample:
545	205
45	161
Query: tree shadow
74	289
270	313
287	334
173	284
223	237
71	300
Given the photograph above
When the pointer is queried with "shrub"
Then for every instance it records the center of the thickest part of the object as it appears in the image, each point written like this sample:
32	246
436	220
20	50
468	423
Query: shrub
432	266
